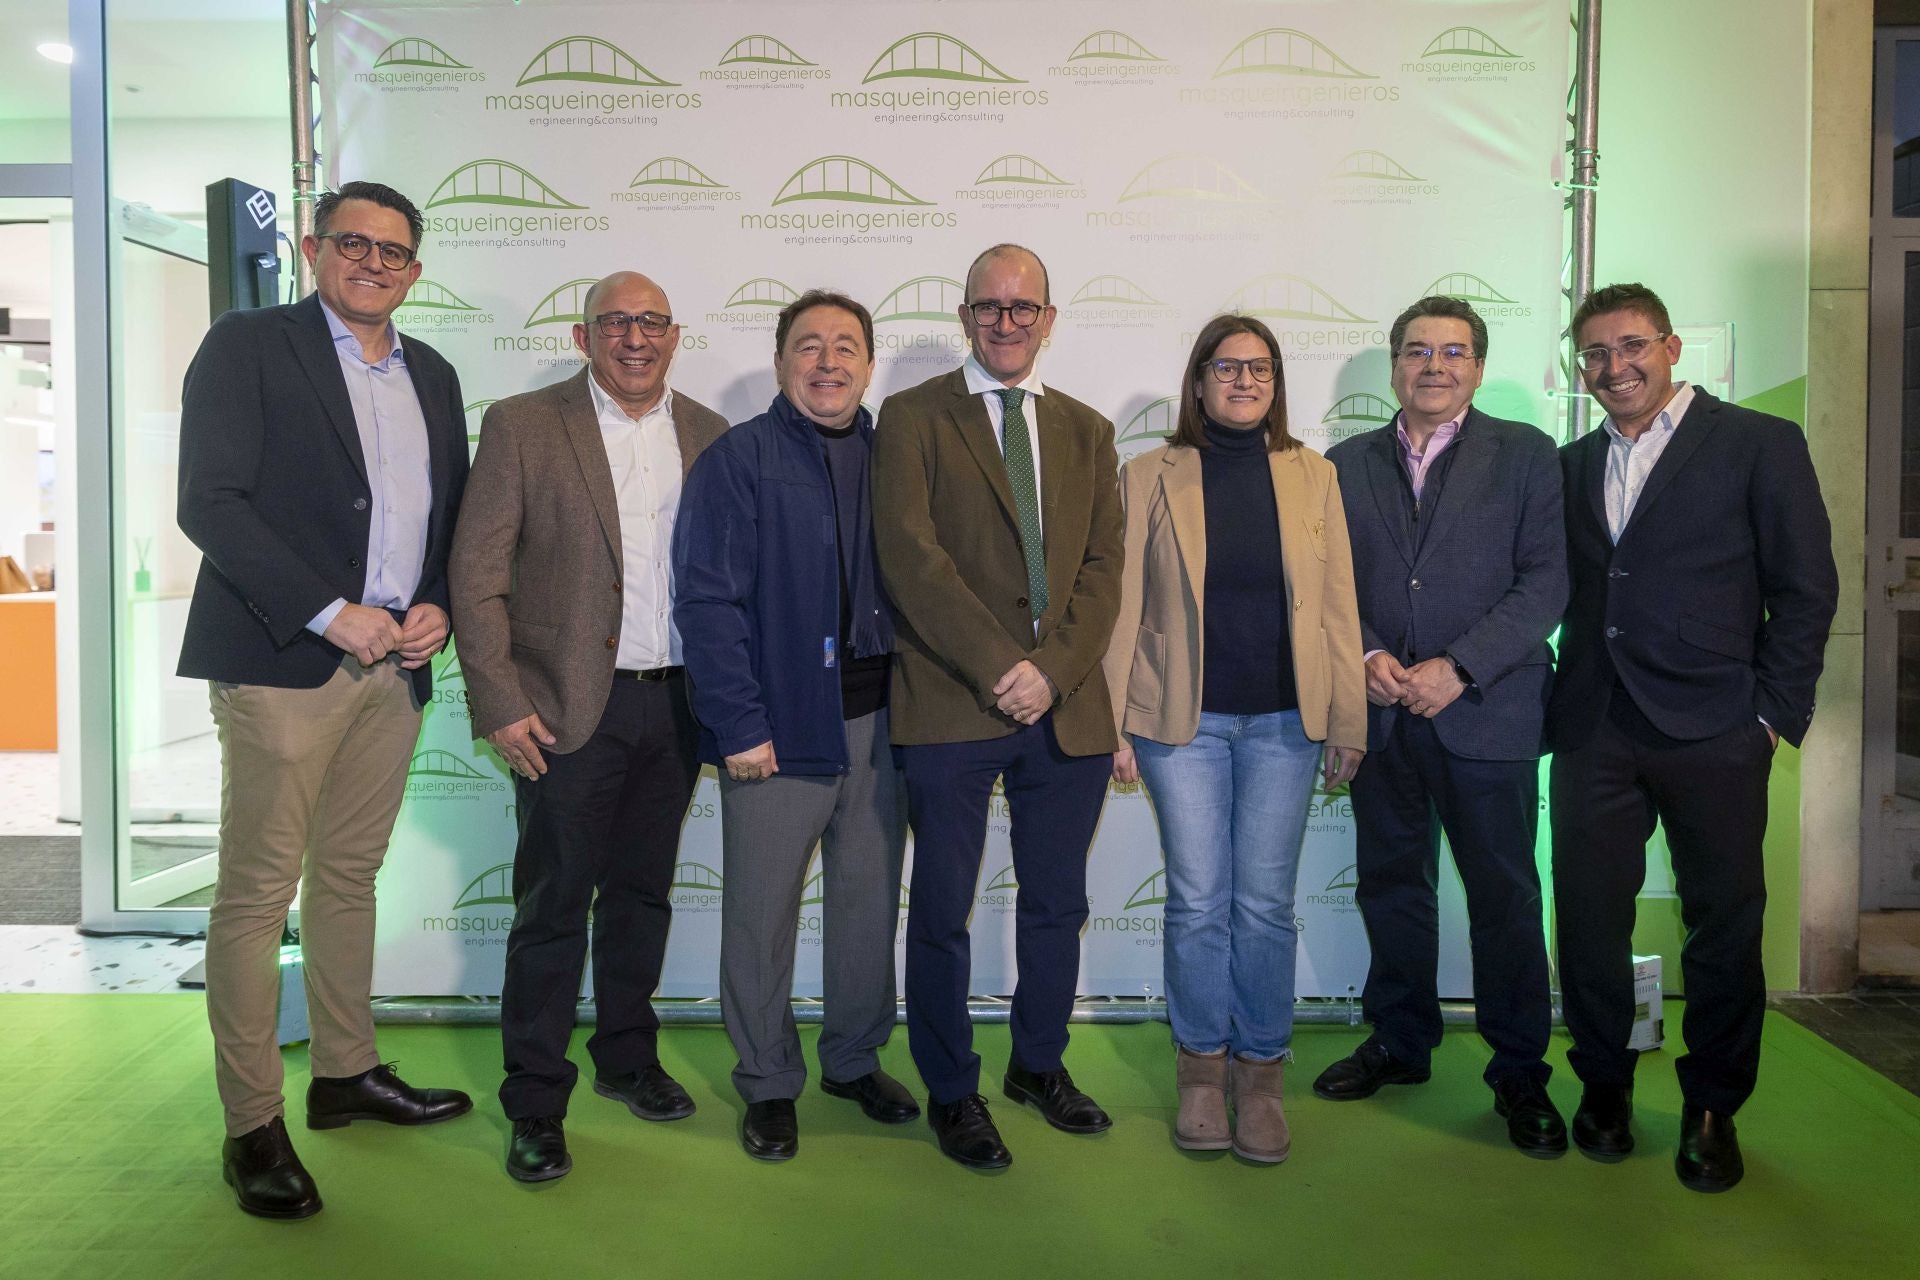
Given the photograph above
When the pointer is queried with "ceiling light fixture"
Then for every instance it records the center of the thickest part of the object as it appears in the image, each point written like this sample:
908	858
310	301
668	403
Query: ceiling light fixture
54	51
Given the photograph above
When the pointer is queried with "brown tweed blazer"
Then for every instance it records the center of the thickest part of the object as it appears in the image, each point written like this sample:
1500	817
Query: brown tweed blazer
949	550
536	566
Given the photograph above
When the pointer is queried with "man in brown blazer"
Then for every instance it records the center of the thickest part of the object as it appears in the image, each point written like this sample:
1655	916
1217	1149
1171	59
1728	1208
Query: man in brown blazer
563	594
997	521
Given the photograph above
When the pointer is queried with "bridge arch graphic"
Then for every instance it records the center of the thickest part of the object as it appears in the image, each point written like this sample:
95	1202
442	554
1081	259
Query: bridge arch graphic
922	298
590	60
844	178
762	48
1113	290
1287	52
497	182
415	52
673	171
1014	167
1377	165
491	888
1112	46
761	291
1470	42
565	305
1189	176
1361	406
431	295
934	55
1290	297
1465	284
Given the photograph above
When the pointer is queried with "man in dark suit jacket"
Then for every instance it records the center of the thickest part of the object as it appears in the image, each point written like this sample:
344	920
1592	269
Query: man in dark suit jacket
322	459
1460	564
1703	587
1005	586
563	593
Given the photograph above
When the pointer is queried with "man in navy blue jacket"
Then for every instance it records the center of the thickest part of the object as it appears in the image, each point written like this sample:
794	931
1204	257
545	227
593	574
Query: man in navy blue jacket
788	638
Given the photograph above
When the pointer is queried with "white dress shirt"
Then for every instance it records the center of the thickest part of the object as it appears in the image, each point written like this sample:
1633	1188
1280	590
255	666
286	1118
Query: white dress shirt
982	383
1630	462
644	456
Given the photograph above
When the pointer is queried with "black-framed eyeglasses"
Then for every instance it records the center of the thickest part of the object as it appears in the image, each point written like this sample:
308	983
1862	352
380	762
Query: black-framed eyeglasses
1261	367
1595	358
614	324
1454	353
1023	314
354	247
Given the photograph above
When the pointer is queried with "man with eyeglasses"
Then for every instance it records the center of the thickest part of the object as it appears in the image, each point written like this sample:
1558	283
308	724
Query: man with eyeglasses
563	593
1459	560
997	518
322	459
1703	587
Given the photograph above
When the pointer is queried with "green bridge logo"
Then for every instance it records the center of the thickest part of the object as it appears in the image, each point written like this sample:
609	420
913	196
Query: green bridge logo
764	50
1113	291
1346	880
1016	169
588	60
1002	882
1190	176
1152	892
761	291
498	182
1465	42
1372	166
491	888
934	55
567	304
1284	51
412	51
1112	46
473	436
1361	409
934	298
431	295
672	171
1466	285
440	763
844	178
1281	296
697	876
1155	422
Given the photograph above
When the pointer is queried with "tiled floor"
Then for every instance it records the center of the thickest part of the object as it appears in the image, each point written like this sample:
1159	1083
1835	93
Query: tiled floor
1881	1028
56	958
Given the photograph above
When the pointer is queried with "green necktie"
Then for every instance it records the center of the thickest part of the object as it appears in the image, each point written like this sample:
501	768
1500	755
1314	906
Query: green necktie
1026	497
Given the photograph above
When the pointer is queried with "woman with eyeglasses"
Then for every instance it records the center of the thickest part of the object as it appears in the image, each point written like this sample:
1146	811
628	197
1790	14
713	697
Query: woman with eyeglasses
1238	651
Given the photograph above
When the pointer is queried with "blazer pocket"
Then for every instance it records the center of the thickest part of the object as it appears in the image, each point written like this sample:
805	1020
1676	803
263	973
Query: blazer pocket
523	634
1715	638
1149	671
1316	530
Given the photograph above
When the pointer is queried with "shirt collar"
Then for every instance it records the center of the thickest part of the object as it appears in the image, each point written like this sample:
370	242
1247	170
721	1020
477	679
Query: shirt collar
979	381
395	357
603	404
1441	434
1663	422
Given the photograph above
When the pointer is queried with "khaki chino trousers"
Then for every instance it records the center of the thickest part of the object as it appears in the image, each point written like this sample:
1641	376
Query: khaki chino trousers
311	781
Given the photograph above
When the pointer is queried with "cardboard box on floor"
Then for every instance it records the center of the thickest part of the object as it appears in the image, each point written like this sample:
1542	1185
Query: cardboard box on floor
13	579
1647	1031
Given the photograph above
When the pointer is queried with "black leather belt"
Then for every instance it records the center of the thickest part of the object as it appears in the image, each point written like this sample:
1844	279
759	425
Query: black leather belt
650	675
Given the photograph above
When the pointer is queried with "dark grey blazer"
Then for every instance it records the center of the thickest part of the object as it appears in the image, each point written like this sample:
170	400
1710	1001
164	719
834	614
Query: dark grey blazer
1486	584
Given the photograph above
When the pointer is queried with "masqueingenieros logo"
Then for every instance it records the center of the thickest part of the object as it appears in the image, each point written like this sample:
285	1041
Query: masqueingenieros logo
882	205
439	774
761	61
431	307
459	209
1116	302
1017	180
414	64
1492	304
1185	194
1467	53
1367	176
918	322
1109	57
548	328
696	887
482	912
1147	429
755	304
968	85
1283	71
1140	914
613	86
1356	414
1338	895
1309	322
674	183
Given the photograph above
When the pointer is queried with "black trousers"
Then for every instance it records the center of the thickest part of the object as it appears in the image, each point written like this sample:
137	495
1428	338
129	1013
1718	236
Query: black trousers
1711	797
1405	794
598	833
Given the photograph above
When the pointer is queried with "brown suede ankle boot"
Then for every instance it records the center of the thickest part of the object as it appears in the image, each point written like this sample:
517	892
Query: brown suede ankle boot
1259	1121
1202	1079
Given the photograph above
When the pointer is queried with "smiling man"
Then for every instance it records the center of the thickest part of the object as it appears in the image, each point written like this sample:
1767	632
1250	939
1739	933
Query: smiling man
322	459
997	514
788	638
1460	563
564	597
1703	587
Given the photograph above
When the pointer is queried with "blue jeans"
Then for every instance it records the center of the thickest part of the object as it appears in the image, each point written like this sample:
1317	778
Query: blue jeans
1232	807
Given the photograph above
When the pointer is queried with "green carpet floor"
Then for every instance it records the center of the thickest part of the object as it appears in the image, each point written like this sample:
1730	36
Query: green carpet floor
109	1141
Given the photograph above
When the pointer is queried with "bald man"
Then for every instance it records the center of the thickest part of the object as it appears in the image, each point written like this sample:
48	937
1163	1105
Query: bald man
562	589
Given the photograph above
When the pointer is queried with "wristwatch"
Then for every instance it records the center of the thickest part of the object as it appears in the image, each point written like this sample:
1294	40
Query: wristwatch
1459	670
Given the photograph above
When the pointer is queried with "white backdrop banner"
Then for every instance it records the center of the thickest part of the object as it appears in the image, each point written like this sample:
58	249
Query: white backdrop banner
1317	163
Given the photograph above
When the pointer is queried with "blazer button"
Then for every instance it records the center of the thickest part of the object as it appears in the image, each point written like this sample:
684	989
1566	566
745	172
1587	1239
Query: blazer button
613	642
1021	603
616	588
354	563
1415	584
1612	632
359	504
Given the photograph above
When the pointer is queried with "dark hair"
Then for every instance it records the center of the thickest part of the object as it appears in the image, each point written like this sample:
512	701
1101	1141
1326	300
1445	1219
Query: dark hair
374	193
1000	250
1191	428
1447	309
820	298
1621	297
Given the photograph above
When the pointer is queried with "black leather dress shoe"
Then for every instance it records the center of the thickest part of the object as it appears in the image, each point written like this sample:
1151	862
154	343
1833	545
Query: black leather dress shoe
881	1096
1709	1155
1601	1124
1533	1122
380	1095
1362	1073
770	1130
966	1133
266	1176
1065	1107
537	1151
649	1093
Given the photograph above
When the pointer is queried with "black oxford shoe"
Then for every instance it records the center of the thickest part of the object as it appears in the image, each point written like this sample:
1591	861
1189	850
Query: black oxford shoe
770	1130
267	1178
1709	1156
1065	1107
966	1133
1363	1073
649	1093
1533	1122
379	1094
1601	1125
881	1096
537	1150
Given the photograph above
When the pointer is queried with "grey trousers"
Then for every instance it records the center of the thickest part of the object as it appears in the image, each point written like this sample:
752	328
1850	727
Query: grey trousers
768	830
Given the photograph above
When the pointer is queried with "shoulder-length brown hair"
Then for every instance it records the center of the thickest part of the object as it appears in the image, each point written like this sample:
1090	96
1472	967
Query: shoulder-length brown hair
1191	428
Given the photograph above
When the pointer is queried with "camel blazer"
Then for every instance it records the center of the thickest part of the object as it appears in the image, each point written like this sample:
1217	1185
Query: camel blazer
948	543
536	568
1153	664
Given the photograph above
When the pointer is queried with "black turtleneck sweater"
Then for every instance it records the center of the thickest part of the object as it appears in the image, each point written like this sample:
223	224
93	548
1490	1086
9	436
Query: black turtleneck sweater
1248	662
